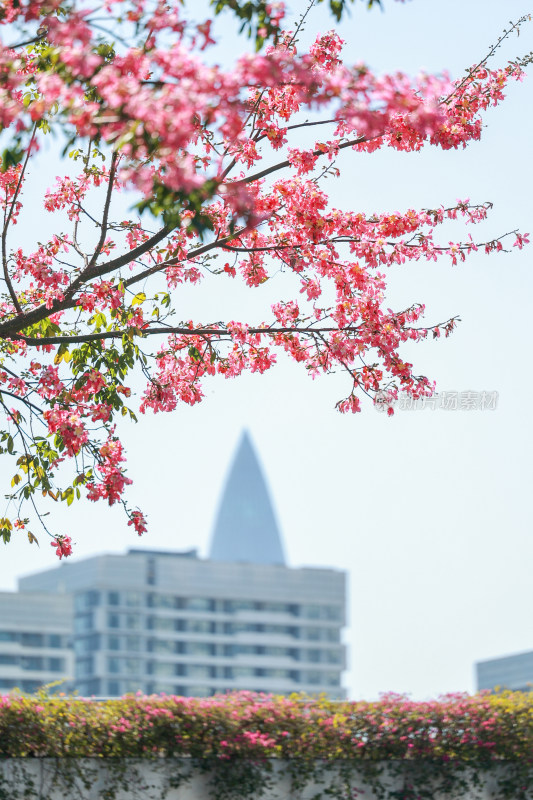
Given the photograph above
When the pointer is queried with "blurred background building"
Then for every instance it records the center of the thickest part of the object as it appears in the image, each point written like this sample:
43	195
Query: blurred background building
154	621
35	640
509	672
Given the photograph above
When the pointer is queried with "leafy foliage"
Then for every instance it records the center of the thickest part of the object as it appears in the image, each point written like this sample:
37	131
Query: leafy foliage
223	187
260	18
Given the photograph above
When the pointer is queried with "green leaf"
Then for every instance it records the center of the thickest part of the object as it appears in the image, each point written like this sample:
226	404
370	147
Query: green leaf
11	157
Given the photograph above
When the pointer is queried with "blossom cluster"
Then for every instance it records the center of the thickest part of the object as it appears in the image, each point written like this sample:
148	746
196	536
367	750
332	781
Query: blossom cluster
191	140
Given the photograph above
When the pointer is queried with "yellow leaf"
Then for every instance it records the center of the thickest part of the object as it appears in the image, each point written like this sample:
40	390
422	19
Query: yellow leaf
138	299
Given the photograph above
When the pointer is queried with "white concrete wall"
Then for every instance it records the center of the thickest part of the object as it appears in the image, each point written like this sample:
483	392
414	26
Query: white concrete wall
173	779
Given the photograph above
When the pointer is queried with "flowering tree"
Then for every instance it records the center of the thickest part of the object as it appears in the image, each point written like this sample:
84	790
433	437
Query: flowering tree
222	192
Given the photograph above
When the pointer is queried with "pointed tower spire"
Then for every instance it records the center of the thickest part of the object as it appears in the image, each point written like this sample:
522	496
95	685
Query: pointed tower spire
245	527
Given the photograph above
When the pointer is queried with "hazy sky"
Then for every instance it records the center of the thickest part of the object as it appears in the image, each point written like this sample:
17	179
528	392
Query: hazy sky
428	511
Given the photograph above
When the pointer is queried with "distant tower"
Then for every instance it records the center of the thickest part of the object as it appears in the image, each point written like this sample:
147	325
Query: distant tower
246	528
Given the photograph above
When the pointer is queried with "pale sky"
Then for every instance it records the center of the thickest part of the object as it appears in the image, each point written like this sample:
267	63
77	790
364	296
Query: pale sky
428	511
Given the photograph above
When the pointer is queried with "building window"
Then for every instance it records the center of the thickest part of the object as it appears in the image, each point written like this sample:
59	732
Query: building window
131	599
91	687
87	600
32	662
115	620
163	669
164	601
32	639
198	625
83	623
231	606
311	611
277	673
8	659
197	671
243	672
55	640
282	630
245	649
151	574
164	646
198	648
87	644
313	656
131	666
162	624
282	652
8	636
113	598
84	667
167	688
198	691
199	604
333	656
30	686
56	664
277	608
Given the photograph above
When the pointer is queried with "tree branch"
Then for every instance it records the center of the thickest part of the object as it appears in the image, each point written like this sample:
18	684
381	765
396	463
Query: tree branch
179	331
283	164
105	215
13	326
38	38
199	251
7	221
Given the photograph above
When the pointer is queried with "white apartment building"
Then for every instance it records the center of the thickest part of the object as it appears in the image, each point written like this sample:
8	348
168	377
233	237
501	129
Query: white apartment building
171	622
35	640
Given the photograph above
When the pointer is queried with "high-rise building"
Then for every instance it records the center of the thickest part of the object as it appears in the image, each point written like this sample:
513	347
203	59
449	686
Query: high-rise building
171	622
508	672
35	640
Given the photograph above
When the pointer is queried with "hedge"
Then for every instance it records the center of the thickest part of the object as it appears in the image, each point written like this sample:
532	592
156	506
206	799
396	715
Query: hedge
451	744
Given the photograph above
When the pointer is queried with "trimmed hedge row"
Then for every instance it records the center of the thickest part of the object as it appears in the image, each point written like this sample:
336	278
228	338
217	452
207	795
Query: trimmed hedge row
451	744
479	728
